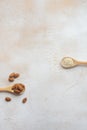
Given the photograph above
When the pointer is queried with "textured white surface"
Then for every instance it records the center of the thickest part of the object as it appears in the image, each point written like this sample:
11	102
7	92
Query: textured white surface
34	36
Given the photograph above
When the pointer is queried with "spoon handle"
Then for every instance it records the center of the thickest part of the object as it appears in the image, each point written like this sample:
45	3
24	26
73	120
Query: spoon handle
4	89
82	63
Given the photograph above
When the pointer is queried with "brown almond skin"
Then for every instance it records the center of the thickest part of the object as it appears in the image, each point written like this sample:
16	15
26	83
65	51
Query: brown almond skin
18	88
17	91
12	75
24	100
16	75
8	99
11	79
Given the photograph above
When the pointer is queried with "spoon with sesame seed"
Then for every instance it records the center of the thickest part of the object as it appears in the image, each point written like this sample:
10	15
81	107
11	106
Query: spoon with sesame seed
69	62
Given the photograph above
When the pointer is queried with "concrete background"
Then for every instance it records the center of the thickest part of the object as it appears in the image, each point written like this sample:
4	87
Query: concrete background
34	36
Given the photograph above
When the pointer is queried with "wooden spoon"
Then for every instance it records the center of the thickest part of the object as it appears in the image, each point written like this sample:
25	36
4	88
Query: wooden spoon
69	62
14	89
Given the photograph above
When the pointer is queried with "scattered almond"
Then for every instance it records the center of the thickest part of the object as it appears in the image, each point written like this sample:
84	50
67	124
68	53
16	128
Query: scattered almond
16	75
11	79
8	99
24	100
12	76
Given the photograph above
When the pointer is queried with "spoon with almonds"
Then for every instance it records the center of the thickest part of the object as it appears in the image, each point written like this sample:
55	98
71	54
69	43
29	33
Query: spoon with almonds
16	89
69	62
